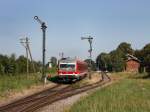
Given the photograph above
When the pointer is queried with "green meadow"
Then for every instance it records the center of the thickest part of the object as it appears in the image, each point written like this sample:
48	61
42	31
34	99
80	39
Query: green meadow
11	83
130	94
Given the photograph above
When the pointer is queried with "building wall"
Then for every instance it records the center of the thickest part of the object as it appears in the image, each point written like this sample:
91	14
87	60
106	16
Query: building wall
132	66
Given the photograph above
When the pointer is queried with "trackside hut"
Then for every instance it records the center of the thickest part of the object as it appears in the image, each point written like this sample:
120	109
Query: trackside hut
132	64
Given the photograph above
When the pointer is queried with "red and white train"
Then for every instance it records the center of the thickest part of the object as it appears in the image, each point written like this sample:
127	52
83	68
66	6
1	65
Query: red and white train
72	69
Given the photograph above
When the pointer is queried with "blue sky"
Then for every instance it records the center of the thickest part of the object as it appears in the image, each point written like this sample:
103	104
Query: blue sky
110	22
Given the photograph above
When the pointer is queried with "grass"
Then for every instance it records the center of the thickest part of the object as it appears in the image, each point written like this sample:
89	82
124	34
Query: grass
52	70
127	95
17	83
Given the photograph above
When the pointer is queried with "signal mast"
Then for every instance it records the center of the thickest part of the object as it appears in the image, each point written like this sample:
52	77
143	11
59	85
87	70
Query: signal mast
90	51
43	27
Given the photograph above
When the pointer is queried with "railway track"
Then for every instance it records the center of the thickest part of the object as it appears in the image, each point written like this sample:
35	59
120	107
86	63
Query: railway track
36	101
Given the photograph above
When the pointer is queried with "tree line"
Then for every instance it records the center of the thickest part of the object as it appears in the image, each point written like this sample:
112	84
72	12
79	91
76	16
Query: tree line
12	65
115	61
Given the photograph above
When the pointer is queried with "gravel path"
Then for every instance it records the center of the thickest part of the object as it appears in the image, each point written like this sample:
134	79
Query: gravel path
61	106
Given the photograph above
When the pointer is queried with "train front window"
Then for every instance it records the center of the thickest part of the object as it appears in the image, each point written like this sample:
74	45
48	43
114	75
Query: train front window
67	67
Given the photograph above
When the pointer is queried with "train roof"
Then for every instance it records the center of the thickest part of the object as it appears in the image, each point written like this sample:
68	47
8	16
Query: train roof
69	60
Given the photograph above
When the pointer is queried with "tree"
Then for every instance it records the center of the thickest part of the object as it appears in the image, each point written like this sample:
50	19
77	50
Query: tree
12	64
119	57
103	61
2	69
5	63
21	64
146	55
125	48
89	61
54	61
139	54
115	60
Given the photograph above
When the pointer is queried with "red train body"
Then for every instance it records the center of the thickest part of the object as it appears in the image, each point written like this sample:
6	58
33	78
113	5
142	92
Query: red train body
72	68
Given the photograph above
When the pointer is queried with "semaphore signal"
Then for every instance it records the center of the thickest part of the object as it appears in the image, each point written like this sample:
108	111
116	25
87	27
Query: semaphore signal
90	51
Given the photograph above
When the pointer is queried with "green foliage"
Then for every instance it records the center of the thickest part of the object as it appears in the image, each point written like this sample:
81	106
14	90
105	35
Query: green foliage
2	69
11	65
104	61
124	48
54	61
115	60
89	62
52	70
144	56
10	83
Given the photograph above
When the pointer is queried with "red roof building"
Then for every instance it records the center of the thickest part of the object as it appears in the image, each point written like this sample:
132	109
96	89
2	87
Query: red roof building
132	64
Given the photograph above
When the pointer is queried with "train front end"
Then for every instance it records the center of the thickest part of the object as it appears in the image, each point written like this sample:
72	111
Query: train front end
68	69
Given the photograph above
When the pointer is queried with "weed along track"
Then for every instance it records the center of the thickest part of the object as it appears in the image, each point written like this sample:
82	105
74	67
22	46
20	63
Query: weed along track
30	99
36	101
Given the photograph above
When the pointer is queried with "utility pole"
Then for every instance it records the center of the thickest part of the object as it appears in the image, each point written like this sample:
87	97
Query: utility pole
43	27
28	47
89	38
61	54
24	42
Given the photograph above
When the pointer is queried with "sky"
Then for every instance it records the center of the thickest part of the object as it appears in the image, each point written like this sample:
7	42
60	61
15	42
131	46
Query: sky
109	22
